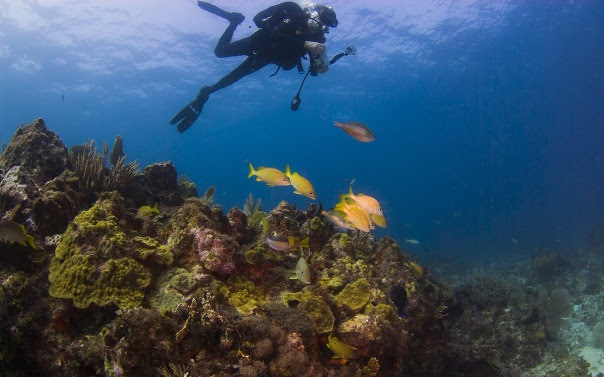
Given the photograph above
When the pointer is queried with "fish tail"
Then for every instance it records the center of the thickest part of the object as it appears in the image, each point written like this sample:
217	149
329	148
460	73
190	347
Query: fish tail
304	242
252	171
30	241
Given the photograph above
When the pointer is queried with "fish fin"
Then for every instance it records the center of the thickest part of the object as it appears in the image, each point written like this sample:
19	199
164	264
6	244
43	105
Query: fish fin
258	179
22	242
30	242
292	240
252	171
298	192
337	124
287	171
342	203
350	193
304	242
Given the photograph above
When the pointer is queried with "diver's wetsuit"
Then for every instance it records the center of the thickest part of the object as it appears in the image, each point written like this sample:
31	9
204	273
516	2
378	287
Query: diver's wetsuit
283	30
281	44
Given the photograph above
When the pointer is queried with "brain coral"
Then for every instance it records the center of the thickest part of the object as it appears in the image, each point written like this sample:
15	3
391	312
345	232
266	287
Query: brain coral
97	262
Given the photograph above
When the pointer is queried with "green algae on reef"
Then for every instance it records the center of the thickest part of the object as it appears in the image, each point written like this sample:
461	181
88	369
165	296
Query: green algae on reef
196	291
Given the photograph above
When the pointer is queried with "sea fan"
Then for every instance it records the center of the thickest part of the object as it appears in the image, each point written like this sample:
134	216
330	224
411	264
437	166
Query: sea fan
121	174
88	165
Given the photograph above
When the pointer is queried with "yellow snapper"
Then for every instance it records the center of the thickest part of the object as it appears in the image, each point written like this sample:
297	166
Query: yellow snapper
378	220
302	272
370	204
340	349
283	244
148	211
355	214
357	130
337	218
11	231
301	184
270	176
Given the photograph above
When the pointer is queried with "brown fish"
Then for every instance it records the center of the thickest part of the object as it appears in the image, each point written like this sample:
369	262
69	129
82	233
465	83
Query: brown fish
357	130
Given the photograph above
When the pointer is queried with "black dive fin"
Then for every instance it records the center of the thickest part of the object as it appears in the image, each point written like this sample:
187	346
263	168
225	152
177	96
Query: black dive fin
232	17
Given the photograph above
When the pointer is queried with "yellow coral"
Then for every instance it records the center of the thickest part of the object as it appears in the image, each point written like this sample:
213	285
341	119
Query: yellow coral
355	295
242	294
315	307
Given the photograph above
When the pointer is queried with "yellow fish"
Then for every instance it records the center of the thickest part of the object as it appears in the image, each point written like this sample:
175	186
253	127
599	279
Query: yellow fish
302	271
11	231
355	214
368	203
417	270
301	184
340	349
337	218
284	244
148	211
270	176
378	220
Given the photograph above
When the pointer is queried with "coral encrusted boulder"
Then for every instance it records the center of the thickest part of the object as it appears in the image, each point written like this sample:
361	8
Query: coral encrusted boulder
38	150
99	261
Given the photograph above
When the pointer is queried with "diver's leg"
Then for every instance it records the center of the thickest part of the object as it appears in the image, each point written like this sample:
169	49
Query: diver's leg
188	115
250	65
225	48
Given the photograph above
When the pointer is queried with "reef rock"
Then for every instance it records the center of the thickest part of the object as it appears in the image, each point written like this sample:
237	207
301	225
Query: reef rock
37	150
17	189
216	251
97	261
161	180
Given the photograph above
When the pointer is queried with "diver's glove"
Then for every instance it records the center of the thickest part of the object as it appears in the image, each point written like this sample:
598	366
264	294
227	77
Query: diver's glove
188	115
315	48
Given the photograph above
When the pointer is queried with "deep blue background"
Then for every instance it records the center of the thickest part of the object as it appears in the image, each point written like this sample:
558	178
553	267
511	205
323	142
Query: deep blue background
506	143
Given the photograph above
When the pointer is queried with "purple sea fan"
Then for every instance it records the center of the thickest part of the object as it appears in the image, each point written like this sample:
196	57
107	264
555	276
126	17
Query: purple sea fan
216	251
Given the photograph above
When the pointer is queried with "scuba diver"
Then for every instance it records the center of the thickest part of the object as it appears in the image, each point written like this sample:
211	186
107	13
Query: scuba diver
286	34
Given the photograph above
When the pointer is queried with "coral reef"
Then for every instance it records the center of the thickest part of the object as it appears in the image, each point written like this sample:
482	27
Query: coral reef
94	262
194	291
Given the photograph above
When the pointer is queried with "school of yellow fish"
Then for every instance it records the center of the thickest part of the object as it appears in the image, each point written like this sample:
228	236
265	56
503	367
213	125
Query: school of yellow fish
275	177
354	211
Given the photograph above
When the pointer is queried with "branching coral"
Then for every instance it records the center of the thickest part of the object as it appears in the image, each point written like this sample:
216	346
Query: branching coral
121	174
90	165
250	206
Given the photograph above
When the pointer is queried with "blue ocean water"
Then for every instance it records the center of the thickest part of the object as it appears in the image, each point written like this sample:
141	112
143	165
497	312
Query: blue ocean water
489	118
